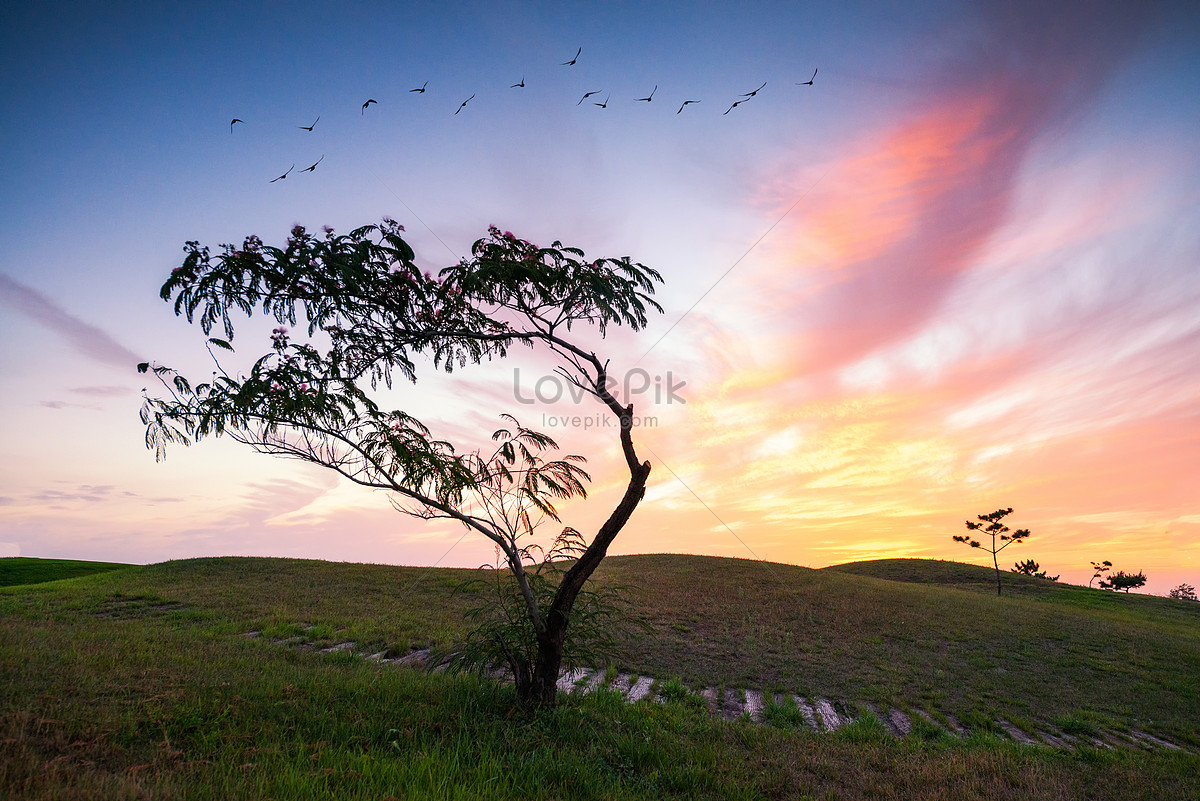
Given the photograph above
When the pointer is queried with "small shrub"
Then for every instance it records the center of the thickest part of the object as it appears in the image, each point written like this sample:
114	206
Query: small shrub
1184	592
866	729
673	690
1124	581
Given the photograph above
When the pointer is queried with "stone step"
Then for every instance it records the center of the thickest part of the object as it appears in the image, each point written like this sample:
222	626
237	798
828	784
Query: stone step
818	713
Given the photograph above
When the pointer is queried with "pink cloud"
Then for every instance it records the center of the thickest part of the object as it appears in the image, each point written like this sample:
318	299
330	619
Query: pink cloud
906	210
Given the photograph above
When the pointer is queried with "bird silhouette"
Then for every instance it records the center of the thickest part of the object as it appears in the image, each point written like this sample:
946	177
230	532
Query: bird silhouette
364	106
285	175
735	105
231	122
752	94
310	127
315	163
809	82
587	95
686	103
571	63
605	103
421	89
520	85
651	97
463	104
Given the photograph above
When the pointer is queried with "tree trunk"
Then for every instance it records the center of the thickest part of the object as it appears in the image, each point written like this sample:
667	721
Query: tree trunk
543	688
997	564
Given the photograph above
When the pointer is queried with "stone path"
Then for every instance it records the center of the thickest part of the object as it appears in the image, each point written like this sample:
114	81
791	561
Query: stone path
817	713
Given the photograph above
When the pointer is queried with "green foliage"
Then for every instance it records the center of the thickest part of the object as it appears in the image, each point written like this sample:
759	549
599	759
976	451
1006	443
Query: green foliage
504	633
368	313
992	525
1184	592
1031	568
1123	581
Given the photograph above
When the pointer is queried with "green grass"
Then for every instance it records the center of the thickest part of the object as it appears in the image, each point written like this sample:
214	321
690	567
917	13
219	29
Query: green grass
141	683
16	570
1052	652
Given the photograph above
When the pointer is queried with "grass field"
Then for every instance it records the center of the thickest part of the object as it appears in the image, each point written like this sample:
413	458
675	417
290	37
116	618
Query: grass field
141	683
24	570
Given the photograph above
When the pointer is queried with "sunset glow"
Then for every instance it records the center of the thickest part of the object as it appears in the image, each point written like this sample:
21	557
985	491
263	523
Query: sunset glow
959	272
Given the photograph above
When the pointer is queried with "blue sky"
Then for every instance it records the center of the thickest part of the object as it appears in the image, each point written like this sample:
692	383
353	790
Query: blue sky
960	268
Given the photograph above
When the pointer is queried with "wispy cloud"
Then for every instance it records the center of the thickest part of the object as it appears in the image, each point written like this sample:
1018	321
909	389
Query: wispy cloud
86	338
907	210
84	492
104	391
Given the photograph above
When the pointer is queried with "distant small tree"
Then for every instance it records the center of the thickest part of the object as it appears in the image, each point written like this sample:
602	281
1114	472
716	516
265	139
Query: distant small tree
1184	592
1099	570
993	526
1032	568
1123	581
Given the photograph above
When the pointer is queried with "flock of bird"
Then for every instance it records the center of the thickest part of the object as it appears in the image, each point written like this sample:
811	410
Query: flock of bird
743	98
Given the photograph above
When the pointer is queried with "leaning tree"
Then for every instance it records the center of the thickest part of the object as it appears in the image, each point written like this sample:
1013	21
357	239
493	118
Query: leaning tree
368	313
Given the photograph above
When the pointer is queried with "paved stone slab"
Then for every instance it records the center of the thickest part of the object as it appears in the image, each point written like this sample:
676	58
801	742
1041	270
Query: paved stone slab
416	658
1052	739
806	712
901	721
829	717
754	705
566	681
594	682
1015	733
640	689
731	705
1144	737
709	694
928	718
621	683
341	646
955	726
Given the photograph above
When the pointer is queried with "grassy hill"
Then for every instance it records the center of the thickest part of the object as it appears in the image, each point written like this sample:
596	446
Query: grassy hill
1050	651
26	570
141	682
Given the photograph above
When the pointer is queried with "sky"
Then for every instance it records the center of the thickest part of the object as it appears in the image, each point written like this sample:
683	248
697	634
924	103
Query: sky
958	272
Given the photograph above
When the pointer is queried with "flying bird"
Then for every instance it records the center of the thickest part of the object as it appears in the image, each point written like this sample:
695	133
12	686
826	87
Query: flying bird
463	104
314	166
686	103
731	108
605	103
809	82
285	175
231	122
310	127
364	106
421	89
520	85
587	95
571	63
651	97
752	94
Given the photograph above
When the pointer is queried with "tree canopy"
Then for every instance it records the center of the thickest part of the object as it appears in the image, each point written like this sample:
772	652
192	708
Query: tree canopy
366	312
